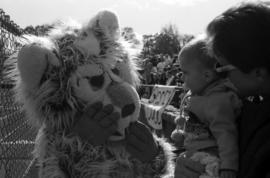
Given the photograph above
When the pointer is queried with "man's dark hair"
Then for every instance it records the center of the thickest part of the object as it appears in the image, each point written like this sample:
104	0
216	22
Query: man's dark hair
241	35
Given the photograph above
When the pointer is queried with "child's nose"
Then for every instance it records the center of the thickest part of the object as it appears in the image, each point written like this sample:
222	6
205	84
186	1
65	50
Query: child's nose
121	96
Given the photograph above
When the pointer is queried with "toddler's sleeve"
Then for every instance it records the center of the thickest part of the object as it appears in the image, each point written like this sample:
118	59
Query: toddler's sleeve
222	116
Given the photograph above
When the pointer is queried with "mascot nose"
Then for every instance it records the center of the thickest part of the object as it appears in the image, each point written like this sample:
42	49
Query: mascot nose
127	110
122	97
96	82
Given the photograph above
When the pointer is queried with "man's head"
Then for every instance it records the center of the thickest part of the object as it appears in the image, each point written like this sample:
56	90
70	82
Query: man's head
197	66
240	37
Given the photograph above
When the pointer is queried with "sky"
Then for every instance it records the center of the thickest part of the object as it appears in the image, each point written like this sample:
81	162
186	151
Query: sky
144	16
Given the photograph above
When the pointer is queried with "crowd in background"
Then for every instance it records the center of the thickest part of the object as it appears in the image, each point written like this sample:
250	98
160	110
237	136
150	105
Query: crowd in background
162	70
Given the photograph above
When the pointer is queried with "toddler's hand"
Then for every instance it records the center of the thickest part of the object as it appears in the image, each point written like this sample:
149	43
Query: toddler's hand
96	123
140	142
178	137
180	121
227	174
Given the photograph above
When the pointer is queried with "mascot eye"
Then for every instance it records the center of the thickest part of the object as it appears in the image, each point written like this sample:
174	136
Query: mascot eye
96	82
127	110
115	71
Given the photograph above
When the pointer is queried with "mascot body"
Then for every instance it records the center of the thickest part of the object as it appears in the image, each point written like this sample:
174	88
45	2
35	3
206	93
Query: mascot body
58	76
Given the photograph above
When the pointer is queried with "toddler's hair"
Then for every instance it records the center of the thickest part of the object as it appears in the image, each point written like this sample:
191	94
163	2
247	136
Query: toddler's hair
197	47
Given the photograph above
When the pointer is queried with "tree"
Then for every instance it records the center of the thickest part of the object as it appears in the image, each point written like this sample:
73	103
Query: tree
128	34
166	44
30	30
185	38
149	42
171	30
38	30
167	41
43	29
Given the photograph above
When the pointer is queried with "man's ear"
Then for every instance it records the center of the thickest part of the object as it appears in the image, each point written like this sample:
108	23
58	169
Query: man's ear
33	59
260	74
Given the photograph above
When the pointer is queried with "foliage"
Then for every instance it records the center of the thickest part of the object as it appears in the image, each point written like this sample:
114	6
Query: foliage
38	30
166	44
168	41
129	34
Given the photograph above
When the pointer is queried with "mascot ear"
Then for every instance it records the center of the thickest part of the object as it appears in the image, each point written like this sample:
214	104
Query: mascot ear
108	21
33	60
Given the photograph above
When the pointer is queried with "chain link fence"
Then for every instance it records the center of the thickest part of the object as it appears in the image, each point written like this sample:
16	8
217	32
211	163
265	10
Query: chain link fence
16	136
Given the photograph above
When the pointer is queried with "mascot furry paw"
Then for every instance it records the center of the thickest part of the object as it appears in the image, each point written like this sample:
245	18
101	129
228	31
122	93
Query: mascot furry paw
58	75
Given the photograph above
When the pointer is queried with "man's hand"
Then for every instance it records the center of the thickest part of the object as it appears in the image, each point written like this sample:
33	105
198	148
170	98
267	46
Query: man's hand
140	142
96	123
187	168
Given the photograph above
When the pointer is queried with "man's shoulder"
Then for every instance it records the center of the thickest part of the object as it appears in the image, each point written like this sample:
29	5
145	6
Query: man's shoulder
255	113
254	133
254	125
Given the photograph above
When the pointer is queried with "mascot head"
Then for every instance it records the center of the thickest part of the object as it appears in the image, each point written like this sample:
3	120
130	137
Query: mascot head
60	74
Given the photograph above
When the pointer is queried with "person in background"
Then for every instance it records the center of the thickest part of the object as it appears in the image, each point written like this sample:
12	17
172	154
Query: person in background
168	60
147	71
208	118
154	75
161	65
239	39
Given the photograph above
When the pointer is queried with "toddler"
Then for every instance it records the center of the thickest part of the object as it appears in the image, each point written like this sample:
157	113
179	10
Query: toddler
207	121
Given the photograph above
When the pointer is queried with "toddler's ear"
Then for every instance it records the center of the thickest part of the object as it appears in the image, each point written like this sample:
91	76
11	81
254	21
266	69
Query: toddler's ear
209	75
108	21
33	59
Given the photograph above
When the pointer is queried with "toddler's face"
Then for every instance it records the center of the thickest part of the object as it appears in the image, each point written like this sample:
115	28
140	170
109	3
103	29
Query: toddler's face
192	73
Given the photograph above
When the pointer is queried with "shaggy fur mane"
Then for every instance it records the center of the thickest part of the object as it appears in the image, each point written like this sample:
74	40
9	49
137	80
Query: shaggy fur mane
58	75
